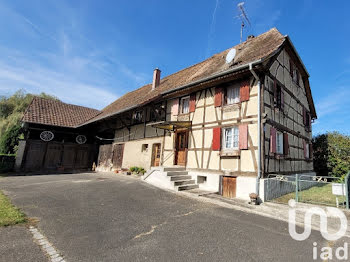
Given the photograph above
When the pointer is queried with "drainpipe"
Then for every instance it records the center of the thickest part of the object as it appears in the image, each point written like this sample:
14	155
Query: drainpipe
259	128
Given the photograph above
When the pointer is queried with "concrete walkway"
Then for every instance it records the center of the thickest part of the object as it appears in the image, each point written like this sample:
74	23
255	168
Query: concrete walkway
272	210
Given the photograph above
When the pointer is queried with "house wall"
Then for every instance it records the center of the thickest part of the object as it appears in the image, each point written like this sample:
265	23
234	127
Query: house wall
289	121
202	160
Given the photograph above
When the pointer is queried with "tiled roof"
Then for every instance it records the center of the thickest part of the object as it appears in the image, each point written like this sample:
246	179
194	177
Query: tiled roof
56	113
251	50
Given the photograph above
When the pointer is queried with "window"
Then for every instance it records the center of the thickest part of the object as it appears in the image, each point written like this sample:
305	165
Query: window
279	143
231	138
232	95
185	105
294	73
307	150
137	116
278	102
308	120
144	148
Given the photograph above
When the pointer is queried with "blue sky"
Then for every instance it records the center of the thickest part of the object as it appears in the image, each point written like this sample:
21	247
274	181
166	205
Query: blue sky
91	52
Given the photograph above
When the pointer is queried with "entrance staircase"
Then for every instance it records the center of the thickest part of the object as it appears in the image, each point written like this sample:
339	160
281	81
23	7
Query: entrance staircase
174	178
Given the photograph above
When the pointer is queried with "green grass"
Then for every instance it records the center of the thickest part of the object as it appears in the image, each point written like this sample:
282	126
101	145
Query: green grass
9	214
318	195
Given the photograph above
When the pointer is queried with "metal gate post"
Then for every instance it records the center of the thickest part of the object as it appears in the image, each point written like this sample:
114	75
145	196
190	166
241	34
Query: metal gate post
347	189
296	188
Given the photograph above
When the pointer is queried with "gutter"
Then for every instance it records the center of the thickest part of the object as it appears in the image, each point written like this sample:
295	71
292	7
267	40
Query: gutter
257	186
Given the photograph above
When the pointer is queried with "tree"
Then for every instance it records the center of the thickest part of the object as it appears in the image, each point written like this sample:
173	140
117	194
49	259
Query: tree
11	112
9	141
332	154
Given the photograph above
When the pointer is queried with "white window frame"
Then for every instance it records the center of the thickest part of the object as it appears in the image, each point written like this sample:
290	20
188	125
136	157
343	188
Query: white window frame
279	142
232	95
233	138
185	110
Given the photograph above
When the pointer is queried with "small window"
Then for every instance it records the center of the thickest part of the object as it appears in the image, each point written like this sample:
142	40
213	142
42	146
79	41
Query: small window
278	102
144	148
232	95
231	138
279	143
137	116
185	105
201	179
308	120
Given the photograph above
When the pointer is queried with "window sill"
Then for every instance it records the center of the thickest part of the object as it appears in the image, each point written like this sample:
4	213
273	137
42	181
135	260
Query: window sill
230	153
279	156
232	107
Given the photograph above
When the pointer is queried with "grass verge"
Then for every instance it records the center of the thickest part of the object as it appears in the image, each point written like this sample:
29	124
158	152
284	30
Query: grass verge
9	214
318	195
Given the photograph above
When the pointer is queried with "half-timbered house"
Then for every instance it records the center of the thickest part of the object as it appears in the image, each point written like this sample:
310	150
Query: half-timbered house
224	124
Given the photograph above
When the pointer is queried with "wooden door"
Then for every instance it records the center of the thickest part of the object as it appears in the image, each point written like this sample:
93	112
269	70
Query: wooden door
68	158
229	186
155	155
181	145
118	151
34	156
53	156
82	157
105	155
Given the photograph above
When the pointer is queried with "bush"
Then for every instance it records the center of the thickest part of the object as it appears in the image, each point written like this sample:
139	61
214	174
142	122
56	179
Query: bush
332	154
7	163
137	170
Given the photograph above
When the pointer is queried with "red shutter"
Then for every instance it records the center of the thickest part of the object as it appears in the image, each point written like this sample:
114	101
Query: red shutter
304	144
193	102
285	144
274	92
175	108
309	115
216	145
243	136
273	140
218	97
244	91
282	100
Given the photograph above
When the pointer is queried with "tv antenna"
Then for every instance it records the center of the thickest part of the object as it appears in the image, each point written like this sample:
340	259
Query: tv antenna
243	16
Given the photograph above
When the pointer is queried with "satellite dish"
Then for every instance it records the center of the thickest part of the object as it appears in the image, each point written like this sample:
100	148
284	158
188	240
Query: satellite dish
230	55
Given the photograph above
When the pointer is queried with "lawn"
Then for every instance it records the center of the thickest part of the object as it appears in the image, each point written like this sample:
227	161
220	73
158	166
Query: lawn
318	195
9	214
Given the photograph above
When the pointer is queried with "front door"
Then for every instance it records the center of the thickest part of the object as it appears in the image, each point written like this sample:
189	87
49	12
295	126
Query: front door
155	155
181	144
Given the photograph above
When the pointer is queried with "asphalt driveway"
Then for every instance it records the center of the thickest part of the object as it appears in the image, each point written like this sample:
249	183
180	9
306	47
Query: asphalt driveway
108	217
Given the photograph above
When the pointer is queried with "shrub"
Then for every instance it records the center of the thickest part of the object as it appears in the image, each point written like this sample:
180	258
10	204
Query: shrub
137	170
134	169
332	154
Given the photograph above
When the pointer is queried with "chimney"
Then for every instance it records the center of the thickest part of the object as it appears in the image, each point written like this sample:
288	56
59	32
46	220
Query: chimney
156	78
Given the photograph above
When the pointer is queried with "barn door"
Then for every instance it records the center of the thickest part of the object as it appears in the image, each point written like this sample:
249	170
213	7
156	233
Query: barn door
118	151
34	155
53	156
82	157
229	186
68	158
105	155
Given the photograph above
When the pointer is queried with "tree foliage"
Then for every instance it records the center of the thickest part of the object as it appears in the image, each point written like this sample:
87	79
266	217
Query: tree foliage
332	154
11	112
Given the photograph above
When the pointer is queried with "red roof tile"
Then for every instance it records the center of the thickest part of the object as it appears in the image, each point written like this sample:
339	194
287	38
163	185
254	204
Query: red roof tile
56	113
